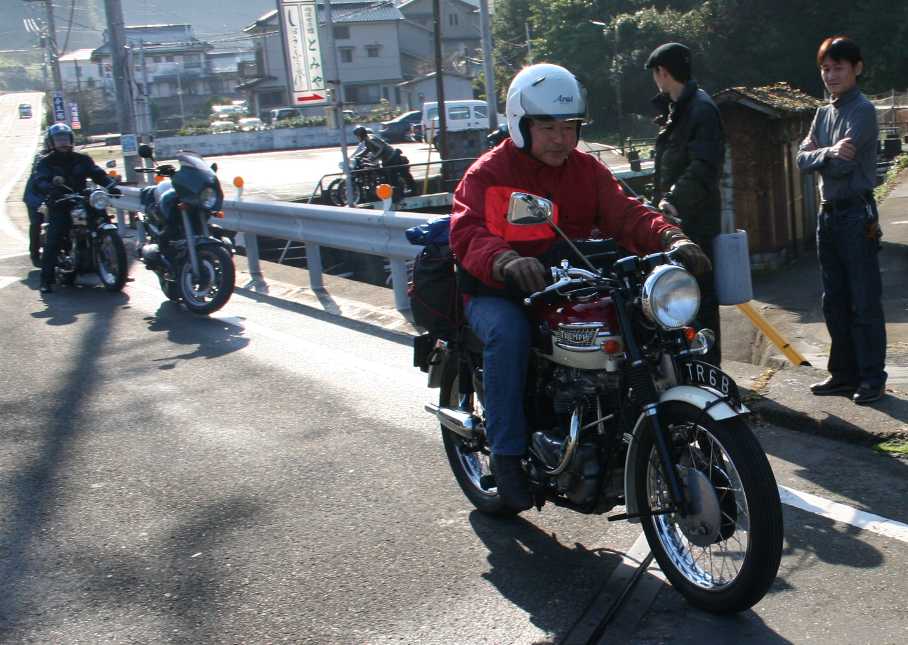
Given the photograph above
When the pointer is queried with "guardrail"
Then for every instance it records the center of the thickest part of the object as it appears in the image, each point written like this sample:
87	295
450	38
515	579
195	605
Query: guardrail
354	229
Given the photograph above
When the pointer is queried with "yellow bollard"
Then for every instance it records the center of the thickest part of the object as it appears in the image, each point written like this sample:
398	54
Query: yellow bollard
763	325
425	181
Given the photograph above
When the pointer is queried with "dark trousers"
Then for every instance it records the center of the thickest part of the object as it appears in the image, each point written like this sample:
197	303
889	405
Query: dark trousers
399	166
35	220
59	223
708	316
852	292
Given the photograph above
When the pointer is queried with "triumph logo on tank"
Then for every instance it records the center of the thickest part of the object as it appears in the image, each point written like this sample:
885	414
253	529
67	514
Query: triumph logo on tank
577	336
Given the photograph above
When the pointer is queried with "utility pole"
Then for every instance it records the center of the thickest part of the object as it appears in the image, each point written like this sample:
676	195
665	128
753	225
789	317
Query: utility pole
338	112
116	39
53	56
440	88
488	64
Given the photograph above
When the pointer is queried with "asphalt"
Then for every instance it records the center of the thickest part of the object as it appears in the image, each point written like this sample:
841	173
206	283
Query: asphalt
773	388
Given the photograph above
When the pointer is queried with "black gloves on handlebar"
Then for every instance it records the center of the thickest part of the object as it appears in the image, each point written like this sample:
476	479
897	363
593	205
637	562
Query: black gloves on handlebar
688	253
114	190
528	274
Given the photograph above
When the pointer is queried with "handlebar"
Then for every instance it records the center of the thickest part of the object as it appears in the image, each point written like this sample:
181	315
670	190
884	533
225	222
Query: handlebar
566	276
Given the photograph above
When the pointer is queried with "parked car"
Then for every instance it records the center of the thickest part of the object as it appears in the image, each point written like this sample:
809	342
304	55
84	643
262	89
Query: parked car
25	111
223	126
467	114
250	124
285	114
397	130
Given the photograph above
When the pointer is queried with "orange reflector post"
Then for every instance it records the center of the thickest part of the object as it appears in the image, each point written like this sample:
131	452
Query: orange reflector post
689	333
239	182
383	191
611	347
218	213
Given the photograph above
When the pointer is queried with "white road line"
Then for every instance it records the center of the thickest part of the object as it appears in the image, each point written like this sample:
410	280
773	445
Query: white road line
6	280
842	513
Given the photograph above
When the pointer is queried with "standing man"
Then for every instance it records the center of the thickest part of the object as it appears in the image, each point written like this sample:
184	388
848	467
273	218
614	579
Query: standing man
690	151
842	147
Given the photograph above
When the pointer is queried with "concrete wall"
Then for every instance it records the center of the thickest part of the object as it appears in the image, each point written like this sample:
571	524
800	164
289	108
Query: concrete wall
238	142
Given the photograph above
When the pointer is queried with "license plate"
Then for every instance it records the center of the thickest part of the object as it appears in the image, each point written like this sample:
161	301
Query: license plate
700	373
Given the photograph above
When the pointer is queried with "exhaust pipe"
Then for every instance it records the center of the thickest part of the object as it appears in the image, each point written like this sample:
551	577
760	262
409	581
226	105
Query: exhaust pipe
459	422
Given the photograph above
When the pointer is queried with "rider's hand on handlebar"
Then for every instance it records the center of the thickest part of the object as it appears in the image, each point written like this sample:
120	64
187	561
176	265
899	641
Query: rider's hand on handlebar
114	190
528	274
688	253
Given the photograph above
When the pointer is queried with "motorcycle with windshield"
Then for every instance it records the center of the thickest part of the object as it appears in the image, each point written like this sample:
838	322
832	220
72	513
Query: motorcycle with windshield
622	413
93	243
174	238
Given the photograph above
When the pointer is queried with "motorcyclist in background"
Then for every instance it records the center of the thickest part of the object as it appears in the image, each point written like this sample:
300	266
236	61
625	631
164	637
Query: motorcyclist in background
75	169
33	201
392	159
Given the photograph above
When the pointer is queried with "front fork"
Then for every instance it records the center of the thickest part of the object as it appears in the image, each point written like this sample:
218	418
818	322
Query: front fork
641	381
190	243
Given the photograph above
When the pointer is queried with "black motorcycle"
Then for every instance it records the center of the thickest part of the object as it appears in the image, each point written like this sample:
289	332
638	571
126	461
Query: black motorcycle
366	175
174	239
93	243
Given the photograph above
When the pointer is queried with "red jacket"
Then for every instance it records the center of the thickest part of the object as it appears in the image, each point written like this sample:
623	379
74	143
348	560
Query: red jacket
587	197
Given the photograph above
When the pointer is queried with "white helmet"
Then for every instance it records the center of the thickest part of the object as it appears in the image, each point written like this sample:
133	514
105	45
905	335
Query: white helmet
542	90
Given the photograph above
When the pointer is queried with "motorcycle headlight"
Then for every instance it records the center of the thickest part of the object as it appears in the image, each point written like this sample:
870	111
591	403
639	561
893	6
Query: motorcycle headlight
208	198
671	296
99	199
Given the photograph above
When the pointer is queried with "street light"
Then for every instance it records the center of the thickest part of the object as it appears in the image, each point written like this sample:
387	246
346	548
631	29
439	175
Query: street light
616	75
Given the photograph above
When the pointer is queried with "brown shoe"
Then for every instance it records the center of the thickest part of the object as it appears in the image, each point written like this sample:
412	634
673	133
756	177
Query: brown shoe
833	385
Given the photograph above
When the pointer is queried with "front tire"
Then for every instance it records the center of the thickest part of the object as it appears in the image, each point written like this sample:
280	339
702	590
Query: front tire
724	557
471	465
110	257
211	290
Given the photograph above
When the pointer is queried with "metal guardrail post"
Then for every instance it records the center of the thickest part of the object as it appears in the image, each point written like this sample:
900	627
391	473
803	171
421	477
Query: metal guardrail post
314	263
251	242
398	266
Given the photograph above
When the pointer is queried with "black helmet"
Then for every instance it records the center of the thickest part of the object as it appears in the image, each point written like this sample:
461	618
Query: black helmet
59	134
360	131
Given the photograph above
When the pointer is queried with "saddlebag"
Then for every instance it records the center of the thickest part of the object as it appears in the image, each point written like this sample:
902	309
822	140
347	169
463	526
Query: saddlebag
434	298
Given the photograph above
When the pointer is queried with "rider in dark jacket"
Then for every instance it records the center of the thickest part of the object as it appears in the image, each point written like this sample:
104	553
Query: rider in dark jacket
33	201
392	159
75	169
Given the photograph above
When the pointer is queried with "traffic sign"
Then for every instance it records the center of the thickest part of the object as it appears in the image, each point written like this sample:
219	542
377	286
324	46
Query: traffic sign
130	145
299	25
59	108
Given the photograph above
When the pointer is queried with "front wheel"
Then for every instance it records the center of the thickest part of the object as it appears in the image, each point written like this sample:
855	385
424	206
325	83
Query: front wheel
111	260
725	554
337	192
470	464
206	293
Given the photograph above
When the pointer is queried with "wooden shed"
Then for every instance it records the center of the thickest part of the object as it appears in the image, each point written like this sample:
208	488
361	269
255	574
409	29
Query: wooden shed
764	193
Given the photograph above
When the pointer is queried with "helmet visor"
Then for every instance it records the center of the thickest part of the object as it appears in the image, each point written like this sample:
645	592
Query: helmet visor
61	140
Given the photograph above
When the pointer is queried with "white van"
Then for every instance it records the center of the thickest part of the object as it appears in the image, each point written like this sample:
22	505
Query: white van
467	114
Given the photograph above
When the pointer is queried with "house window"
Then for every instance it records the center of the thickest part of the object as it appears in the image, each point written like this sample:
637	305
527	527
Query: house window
363	93
372	50
346	54
157	59
453	19
342	33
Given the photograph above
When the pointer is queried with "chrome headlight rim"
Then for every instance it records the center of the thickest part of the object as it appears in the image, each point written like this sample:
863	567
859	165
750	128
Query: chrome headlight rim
661	287
99	199
208	198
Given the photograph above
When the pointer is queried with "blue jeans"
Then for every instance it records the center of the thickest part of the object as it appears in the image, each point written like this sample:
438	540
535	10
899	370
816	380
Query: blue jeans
503	327
852	291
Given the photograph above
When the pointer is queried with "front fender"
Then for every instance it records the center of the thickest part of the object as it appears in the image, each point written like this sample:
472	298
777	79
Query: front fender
712	403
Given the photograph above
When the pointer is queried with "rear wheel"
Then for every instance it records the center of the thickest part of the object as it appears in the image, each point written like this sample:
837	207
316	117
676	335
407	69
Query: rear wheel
470	464
209	291
338	194
724	556
111	261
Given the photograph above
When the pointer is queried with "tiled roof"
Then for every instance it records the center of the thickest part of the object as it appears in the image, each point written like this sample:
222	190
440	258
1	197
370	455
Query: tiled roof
778	97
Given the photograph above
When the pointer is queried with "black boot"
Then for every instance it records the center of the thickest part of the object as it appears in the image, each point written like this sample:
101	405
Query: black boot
511	479
46	286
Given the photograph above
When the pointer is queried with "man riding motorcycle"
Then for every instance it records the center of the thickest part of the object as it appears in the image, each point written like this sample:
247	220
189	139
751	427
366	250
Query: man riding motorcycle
75	168
545	107
392	159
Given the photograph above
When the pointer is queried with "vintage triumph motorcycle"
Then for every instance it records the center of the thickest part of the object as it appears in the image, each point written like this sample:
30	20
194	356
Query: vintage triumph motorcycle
194	267
622	412
93	244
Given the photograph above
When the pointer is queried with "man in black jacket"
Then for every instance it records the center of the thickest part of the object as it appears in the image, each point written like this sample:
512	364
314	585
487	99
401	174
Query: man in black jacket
75	169
392	159
690	152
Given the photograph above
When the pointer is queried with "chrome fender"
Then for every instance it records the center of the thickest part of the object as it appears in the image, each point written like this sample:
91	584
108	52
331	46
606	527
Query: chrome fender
698	397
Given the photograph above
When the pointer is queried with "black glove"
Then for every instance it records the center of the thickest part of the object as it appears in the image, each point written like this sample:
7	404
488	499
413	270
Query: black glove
114	190
687	253
527	273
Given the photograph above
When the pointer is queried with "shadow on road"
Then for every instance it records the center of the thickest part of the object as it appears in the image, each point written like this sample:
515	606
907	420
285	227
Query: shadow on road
211	338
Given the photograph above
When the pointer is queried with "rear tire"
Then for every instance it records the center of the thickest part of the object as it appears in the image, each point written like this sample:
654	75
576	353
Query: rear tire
740	516
471	468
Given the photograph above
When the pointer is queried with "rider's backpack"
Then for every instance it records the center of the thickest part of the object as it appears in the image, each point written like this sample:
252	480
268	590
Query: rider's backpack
434	298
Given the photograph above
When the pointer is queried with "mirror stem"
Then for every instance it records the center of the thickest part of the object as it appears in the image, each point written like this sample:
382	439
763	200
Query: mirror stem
574	248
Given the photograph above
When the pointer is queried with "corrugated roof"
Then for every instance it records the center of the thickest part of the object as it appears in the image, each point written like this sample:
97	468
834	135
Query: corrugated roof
778	97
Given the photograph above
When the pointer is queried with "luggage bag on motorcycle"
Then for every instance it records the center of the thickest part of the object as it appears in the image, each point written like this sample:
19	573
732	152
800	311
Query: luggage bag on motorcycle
434	300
